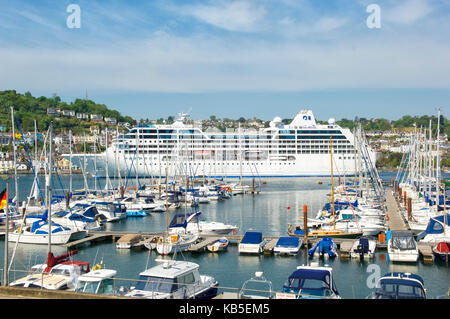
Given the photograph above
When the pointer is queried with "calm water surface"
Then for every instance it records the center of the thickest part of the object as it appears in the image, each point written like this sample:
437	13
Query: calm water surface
267	212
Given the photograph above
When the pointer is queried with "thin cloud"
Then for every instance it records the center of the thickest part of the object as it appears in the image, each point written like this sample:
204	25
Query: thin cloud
241	16
408	12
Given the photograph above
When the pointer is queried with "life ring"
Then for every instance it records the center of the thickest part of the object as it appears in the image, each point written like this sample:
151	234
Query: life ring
97	267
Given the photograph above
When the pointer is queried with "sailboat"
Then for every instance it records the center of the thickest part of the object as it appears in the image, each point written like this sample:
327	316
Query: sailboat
171	243
329	230
44	230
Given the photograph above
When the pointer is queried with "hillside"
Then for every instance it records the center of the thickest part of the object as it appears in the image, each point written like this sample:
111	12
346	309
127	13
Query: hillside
28	108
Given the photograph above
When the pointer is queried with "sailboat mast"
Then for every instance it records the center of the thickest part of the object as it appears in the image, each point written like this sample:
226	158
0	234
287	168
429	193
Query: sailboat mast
15	160
49	186
332	187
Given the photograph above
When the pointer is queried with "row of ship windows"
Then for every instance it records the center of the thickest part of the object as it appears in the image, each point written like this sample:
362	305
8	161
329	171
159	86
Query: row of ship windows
225	142
285	162
162	131
232	138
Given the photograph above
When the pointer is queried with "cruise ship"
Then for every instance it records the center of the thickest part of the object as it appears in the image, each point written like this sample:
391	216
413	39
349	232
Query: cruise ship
301	148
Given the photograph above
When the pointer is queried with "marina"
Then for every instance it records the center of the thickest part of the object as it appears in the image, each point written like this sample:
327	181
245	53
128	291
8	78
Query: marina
186	223
255	208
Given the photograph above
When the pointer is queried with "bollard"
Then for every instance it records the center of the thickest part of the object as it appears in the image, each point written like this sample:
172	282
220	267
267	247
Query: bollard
404	198
409	208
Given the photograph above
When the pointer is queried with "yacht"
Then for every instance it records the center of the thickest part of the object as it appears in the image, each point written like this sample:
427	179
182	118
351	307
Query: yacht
173	279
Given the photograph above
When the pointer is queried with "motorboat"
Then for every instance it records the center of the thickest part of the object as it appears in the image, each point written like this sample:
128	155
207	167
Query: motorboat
252	243
173	279
311	282
401	246
287	246
194	223
399	285
325	247
97	281
363	248
220	245
172	243
257	287
59	273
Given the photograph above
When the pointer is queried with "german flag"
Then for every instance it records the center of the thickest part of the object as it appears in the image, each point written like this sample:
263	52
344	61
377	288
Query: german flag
3	199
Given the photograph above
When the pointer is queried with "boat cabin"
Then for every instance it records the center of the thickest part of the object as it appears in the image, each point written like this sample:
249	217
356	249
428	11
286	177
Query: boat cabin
398	285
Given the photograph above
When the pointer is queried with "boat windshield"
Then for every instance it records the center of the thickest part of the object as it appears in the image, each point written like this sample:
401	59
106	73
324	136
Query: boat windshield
311	287
399	291
156	284
105	286
403	242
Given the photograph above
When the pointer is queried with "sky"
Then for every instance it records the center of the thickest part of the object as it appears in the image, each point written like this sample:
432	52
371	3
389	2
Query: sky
232	58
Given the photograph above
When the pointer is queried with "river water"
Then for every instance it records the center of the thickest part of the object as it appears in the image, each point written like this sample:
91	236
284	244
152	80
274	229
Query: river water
266	212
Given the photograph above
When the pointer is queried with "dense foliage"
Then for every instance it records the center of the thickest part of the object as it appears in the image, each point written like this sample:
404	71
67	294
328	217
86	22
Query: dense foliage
28	108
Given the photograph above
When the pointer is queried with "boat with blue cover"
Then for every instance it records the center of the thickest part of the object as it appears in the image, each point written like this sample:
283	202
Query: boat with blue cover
287	246
311	282
438	229
252	243
399	285
38	232
325	247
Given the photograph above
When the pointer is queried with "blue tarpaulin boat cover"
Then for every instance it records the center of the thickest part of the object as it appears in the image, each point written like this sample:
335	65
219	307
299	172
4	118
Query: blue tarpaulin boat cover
288	241
252	238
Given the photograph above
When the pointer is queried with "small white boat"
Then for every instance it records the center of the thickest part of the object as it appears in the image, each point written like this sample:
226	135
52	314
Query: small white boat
98	281
257	287
175	243
220	245
128	241
173	279
287	246
252	243
363	248
402	247
193	223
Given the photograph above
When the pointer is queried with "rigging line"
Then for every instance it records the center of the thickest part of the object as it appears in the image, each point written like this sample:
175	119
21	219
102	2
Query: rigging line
28	155
346	195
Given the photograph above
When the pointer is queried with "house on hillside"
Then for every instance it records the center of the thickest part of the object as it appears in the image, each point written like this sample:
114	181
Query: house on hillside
68	113
82	116
110	121
96	118
53	111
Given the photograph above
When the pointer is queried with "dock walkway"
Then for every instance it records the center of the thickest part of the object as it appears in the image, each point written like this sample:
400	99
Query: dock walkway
395	220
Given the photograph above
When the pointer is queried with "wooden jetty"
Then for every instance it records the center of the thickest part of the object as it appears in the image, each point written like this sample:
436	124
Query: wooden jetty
270	245
201	246
395	218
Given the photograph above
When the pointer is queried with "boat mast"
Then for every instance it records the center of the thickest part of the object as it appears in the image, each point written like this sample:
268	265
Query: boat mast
332	187
15	160
49	186
70	160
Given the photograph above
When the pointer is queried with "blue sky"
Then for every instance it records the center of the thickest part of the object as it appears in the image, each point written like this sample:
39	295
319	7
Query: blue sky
263	58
